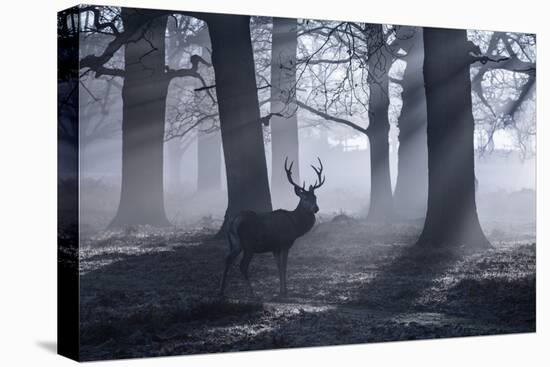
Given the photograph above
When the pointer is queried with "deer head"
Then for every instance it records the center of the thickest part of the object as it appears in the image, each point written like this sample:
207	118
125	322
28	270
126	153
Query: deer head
308	200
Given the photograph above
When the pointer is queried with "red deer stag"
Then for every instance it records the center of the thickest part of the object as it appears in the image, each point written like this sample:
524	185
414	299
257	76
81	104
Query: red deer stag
275	232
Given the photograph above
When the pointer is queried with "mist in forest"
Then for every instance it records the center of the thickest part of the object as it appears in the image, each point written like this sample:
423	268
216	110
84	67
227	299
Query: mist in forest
506	190
233	182
193	166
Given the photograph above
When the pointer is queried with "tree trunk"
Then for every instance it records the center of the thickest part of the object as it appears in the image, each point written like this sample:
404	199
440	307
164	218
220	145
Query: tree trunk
411	189
451	218
175	157
284	129
144	103
209	153
381	201
241	130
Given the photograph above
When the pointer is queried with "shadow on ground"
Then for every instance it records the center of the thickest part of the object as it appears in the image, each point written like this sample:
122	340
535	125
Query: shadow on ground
152	294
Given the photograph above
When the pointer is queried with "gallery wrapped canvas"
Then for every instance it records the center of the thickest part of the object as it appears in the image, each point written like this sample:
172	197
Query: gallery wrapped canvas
235	182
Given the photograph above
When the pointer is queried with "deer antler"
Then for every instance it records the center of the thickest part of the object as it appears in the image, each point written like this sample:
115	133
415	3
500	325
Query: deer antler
320	180
288	170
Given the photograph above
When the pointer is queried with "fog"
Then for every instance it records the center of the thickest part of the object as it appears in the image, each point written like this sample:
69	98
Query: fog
402	159
504	167
502	175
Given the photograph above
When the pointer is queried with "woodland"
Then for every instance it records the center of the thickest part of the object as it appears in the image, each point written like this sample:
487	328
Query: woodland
417	145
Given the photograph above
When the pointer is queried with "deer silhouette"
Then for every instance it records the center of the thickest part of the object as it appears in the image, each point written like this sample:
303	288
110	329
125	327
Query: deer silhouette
251	233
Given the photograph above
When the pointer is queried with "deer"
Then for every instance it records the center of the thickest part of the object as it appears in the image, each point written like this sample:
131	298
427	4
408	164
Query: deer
276	231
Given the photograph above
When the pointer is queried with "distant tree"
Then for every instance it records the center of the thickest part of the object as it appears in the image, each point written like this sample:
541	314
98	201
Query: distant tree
209	156
504	90
379	62
96	109
284	125
349	67
236	96
192	115
411	188
146	79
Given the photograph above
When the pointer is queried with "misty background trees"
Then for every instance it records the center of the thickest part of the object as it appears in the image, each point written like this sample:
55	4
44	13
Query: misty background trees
187	118
172	122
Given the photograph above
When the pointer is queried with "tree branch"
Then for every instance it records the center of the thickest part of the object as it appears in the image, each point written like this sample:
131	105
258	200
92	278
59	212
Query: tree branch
326	116
265	120
97	25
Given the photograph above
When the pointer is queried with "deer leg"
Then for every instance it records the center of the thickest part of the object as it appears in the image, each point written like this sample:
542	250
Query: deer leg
284	258
245	262
228	262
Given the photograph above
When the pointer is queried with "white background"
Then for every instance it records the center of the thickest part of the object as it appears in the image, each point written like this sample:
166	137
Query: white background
28	183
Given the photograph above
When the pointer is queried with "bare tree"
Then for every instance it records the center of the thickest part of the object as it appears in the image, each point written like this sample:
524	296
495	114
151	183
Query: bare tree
236	94
144	91
504	90
348	84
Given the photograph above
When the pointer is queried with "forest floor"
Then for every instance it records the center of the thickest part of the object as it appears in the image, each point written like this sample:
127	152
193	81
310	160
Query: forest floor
154	293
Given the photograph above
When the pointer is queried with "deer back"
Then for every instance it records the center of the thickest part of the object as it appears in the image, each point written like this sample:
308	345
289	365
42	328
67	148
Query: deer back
273	231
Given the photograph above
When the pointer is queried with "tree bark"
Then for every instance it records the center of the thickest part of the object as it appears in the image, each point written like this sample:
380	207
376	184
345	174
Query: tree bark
284	129
381	201
451	218
209	153
241	130
411	188
144	103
